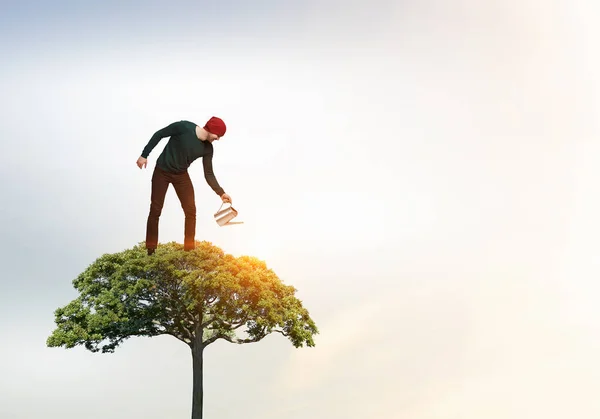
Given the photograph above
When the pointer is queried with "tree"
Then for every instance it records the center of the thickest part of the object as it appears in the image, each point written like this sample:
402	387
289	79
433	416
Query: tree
196	296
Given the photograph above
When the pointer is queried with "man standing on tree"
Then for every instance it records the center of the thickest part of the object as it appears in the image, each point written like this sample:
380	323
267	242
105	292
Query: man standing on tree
187	143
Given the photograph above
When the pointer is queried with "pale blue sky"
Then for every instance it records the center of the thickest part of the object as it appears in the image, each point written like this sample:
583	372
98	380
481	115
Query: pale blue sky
423	172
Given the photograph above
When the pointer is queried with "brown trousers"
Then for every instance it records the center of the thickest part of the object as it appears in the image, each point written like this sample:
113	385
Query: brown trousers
185	192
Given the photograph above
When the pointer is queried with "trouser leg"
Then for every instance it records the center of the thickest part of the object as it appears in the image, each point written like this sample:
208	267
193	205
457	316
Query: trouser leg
185	191
160	184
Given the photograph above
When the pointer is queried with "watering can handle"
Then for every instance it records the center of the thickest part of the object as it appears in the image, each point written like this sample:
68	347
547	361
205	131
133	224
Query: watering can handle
220	212
223	203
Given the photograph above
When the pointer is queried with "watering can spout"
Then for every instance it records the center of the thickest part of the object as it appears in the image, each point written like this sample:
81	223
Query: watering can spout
224	216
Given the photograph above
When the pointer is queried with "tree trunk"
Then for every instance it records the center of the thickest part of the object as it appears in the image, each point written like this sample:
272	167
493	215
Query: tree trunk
197	395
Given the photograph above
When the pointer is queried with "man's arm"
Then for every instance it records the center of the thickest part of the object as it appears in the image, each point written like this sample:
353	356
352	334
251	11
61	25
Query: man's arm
210	176
169	130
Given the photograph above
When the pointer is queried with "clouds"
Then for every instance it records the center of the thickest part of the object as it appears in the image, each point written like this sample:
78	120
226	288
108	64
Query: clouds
339	334
494	345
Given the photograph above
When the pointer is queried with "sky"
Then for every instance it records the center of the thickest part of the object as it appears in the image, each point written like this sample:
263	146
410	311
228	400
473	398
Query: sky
423	172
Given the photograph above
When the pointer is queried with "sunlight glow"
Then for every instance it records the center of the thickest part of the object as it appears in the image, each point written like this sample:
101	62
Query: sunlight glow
262	248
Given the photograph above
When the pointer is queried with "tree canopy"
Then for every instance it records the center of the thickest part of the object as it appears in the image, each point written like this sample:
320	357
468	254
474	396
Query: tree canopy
196	296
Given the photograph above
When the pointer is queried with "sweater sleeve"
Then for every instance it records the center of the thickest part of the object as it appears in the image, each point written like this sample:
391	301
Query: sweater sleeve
210	176
172	129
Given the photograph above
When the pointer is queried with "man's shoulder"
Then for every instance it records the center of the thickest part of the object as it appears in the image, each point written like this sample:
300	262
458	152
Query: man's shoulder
187	124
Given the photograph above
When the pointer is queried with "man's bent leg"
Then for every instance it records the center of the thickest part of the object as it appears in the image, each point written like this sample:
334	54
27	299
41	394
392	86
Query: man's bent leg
160	184
185	191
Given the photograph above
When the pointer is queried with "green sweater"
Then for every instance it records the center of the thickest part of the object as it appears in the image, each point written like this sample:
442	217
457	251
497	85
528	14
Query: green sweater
183	148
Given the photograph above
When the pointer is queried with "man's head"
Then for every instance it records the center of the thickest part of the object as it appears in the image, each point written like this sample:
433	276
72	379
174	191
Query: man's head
216	128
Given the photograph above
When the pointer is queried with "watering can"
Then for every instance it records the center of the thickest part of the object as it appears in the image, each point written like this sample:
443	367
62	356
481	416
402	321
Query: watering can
224	216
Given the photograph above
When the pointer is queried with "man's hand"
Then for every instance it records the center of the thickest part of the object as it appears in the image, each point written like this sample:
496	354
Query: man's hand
142	162
226	198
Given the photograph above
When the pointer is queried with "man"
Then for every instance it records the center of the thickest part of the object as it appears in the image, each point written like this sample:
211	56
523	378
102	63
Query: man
188	142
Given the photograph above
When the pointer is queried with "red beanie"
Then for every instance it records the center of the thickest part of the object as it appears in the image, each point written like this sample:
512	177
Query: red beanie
215	126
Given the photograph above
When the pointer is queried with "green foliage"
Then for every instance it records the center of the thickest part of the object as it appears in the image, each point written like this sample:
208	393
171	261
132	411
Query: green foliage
198	297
